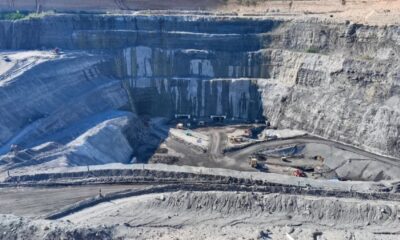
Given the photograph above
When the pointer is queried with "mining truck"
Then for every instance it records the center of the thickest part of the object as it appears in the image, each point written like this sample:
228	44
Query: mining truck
298	173
253	162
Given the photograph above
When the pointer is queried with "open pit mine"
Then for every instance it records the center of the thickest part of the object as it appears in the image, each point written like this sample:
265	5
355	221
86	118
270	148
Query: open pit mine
198	125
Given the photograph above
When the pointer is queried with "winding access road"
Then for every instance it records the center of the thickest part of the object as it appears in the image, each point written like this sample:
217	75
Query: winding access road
247	151
40	201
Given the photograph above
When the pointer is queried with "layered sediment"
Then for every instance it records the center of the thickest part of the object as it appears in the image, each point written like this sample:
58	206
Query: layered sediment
335	80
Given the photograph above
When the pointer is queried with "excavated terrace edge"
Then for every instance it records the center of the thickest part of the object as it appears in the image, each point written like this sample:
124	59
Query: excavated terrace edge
189	181
268	177
90	202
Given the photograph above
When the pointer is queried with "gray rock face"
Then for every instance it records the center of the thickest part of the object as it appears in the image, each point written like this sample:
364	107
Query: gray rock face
91	147
50	95
353	101
62	110
334	80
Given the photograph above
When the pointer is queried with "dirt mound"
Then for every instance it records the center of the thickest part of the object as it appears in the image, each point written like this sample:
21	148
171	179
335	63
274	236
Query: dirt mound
12	227
216	215
214	211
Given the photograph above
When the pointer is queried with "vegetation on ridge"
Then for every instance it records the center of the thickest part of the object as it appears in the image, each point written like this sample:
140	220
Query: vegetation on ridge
12	16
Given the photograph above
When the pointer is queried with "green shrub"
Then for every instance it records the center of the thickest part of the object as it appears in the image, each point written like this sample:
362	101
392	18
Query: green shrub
12	16
39	15
24	15
312	50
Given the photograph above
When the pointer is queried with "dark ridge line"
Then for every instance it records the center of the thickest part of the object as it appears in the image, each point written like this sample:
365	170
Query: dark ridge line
197	188
196	181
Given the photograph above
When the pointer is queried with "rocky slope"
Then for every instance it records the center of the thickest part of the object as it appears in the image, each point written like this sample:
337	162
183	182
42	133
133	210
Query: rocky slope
216	215
336	80
64	108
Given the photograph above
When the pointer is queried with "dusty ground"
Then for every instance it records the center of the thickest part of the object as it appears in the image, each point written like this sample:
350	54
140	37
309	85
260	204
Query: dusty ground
219	215
375	12
379	12
199	214
34	202
214	215
215	150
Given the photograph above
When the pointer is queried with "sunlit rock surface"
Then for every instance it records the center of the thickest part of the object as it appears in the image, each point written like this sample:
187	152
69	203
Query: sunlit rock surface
339	81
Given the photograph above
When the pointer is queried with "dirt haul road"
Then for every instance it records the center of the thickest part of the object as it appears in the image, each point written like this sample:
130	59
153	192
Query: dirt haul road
36	201
217	215
243	153
354	163
222	207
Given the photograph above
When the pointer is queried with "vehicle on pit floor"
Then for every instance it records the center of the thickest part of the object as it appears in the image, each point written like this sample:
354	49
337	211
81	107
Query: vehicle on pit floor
253	162
299	173
258	162
6	59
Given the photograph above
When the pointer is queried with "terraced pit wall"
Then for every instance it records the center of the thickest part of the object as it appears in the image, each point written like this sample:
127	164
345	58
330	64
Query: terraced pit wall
190	181
336	80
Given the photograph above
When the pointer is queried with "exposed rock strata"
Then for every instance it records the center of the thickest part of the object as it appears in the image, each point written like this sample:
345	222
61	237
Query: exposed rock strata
339	81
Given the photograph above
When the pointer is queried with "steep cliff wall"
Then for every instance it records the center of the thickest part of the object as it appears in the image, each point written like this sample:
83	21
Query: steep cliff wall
337	80
351	100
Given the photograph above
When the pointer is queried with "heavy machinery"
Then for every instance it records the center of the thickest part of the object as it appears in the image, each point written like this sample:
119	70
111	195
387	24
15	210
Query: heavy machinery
298	173
260	156
319	158
253	161
236	139
57	51
162	150
284	159
258	161
6	59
